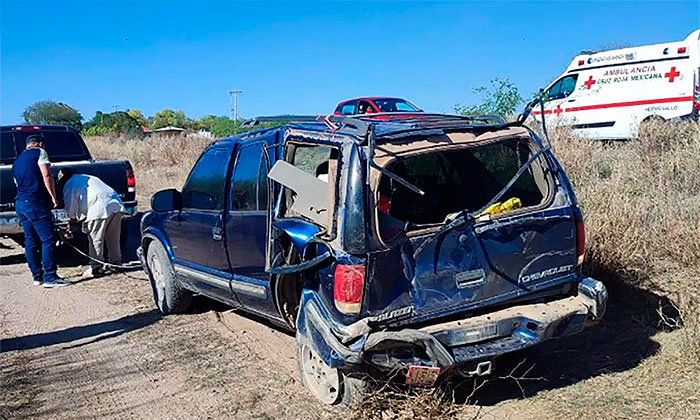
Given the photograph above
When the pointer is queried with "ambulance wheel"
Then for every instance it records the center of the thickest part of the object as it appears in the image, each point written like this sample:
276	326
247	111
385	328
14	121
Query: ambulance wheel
329	385
169	295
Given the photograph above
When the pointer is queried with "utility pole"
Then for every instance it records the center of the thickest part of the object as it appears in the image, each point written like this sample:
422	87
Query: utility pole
233	98
116	108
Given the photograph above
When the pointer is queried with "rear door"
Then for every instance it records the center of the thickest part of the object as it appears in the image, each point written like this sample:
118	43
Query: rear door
247	225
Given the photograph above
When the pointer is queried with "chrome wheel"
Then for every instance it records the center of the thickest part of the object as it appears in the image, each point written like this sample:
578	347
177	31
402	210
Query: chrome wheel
321	379
158	275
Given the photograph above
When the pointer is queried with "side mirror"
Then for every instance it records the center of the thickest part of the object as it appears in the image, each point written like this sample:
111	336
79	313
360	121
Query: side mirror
166	200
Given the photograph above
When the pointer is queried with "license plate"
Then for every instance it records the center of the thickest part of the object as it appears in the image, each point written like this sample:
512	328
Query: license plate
422	375
60	215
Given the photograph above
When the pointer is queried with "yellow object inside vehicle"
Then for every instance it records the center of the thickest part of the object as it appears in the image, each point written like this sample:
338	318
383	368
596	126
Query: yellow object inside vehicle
500	207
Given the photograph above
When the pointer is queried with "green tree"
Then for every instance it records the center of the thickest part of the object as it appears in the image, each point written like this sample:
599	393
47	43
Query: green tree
168	117
50	112
219	126
138	116
501	98
118	122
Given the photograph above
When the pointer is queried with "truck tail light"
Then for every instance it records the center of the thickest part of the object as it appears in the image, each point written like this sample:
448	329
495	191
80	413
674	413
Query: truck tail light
580	62
580	236
130	180
682	50
348	286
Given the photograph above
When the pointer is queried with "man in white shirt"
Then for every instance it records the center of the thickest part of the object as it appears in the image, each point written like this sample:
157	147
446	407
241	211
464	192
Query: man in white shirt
90	201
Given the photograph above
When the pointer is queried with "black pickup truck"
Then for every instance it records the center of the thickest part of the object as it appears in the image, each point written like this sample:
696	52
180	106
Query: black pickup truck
66	149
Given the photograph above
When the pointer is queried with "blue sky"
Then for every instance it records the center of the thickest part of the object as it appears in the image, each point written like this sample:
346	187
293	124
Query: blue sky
291	57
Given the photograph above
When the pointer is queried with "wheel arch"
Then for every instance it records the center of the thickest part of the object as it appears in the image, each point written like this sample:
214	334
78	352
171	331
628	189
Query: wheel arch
149	235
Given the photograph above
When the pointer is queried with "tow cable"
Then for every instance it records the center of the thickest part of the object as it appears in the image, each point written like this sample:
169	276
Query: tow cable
64	239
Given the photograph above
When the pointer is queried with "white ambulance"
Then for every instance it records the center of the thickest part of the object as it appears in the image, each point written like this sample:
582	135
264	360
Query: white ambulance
608	95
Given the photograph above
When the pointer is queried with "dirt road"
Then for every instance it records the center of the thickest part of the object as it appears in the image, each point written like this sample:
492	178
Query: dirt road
98	349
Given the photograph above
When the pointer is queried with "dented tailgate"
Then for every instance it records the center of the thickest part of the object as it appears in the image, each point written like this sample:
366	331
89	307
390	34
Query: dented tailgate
475	265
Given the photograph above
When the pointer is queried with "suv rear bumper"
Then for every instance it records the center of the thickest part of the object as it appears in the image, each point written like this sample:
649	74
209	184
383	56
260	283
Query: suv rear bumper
472	339
9	222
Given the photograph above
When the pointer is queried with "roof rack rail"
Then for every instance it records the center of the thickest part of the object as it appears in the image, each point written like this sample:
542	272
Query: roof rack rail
288	118
358	125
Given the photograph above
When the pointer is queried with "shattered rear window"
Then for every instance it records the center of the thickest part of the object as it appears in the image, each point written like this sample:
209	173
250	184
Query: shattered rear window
453	181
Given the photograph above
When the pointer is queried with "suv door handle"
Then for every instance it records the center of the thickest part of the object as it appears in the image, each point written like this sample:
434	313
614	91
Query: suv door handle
217	233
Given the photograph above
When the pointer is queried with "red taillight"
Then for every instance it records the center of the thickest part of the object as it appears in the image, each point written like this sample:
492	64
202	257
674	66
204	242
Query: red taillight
580	62
130	178
26	128
580	236
682	50
348	286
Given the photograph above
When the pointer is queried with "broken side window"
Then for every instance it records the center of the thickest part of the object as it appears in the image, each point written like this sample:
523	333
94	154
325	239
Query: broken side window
455	180
309	177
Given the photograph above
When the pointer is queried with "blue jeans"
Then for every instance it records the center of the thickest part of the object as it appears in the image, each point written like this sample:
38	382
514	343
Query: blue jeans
37	223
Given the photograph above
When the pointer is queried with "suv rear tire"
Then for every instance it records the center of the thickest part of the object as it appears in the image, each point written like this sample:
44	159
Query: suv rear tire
169	295
329	385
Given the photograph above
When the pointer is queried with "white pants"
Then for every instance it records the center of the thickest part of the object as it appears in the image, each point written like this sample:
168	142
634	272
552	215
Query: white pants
105	233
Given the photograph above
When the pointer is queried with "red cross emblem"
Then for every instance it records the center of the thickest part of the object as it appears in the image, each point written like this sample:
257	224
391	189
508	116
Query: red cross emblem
672	74
590	82
558	110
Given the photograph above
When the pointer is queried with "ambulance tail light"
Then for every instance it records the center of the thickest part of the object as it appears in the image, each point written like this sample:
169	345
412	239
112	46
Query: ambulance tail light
682	50
581	62
580	236
348	287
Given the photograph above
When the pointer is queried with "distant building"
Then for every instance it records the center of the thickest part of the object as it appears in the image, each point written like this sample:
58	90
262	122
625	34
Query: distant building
169	131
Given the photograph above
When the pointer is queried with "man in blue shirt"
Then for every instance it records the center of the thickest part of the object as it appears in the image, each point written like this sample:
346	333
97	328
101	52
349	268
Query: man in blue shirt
36	196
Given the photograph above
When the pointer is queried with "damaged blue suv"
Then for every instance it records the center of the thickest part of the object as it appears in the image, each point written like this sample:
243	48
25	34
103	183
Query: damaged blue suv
412	246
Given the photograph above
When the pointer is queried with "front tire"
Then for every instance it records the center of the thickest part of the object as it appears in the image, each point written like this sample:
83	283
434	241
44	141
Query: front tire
329	385
169	295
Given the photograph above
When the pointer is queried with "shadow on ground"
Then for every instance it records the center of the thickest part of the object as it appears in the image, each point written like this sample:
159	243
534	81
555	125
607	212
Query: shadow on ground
621	341
99	331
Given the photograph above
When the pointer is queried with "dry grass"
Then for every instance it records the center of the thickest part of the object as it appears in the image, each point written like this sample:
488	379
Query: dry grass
641	201
159	162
